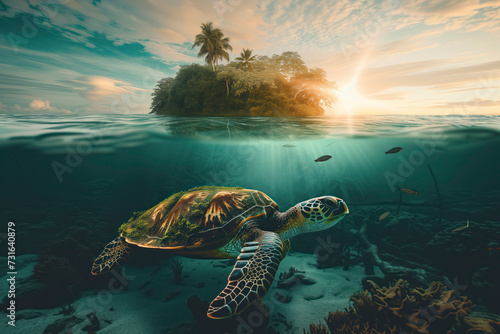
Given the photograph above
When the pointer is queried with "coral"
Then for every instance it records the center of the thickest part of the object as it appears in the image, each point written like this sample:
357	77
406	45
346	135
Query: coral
176	267
398	308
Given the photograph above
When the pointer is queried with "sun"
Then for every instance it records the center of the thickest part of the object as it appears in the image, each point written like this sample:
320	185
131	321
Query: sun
349	99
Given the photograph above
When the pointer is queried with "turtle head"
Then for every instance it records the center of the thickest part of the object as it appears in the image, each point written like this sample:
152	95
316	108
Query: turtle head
322	212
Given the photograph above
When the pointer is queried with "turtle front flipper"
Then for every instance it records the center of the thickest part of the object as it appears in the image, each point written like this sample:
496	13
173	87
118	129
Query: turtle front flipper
113	255
251	277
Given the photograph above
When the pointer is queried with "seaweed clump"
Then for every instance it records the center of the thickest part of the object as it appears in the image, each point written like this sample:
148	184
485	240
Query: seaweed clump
399	309
176	267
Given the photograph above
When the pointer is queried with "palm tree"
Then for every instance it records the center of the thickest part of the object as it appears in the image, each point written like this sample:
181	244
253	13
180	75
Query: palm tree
245	59
213	45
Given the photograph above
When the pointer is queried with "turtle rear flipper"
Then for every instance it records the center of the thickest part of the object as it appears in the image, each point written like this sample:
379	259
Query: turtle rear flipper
113	255
251	277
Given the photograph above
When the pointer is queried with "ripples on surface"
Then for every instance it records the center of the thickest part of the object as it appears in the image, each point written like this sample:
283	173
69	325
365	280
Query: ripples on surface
123	130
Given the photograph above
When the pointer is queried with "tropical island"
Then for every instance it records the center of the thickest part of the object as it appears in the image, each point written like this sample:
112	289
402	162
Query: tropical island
251	85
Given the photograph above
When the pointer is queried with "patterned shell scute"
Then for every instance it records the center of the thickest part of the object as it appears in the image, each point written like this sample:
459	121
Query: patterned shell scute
197	218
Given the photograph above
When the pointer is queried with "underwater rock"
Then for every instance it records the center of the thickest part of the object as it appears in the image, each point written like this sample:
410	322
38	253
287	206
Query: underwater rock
219	265
66	310
254	319
333	256
288	283
315	296
36	295
172	295
280	323
484	278
295	279
28	314
94	324
306	280
147	293
62	326
145	284
465	252
282	296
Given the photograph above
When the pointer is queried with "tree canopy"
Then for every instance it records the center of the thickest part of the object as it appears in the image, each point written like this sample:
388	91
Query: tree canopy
213	45
245	59
278	86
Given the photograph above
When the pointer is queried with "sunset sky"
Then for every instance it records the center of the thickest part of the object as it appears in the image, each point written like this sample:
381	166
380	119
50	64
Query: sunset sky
416	56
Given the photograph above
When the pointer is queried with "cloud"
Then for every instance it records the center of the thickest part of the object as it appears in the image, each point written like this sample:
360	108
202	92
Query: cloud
37	106
99	88
64	77
388	96
455	14
429	74
164	28
467	105
389	46
40	105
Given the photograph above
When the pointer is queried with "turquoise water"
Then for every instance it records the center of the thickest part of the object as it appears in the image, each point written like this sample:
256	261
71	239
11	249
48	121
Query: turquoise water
80	177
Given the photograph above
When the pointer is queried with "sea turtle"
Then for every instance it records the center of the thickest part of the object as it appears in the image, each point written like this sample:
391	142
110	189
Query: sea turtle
224	222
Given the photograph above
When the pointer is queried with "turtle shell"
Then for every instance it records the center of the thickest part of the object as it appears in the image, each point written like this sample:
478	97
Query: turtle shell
204	218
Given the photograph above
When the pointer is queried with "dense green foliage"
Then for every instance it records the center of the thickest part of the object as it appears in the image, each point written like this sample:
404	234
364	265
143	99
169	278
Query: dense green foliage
278	86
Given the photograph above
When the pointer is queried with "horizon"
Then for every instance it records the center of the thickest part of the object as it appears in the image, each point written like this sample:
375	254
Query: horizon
423	57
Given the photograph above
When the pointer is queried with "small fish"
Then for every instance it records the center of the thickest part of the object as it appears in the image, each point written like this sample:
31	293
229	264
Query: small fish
323	158
394	150
461	228
289	145
408	191
384	215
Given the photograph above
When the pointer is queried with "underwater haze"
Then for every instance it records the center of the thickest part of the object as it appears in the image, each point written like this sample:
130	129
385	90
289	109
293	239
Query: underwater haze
69	182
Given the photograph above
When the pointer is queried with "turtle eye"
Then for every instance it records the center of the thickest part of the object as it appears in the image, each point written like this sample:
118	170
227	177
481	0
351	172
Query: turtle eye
331	202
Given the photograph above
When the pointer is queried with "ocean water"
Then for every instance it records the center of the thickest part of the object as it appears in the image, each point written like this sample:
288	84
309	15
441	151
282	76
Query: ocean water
69	182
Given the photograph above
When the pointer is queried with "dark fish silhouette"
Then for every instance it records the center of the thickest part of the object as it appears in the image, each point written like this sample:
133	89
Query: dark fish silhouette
323	158
394	150
289	145
408	191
